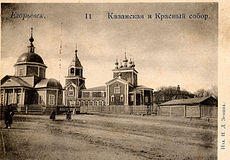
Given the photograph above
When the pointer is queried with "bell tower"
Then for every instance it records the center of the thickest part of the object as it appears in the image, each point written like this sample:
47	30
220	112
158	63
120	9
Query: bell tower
74	82
126	70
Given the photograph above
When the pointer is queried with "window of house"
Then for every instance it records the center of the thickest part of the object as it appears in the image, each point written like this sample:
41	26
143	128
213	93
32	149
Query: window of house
41	99
10	98
71	91
82	103
117	90
86	94
100	103
51	99
96	94
95	103
78	103
71	70
86	103
72	103
112	98
18	98
21	70
121	98
132	98
90	103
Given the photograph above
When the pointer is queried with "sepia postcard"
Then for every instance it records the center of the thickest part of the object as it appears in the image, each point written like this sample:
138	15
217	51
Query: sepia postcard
115	81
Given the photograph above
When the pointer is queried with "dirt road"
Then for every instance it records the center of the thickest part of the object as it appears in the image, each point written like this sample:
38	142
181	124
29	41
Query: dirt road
110	137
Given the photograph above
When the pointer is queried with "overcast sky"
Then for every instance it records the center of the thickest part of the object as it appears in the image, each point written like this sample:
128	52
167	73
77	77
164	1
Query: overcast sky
166	53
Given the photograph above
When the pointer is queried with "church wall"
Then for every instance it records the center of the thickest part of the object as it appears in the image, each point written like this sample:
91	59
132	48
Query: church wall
117	95
42	72
29	97
51	97
124	75
60	97
134	79
42	97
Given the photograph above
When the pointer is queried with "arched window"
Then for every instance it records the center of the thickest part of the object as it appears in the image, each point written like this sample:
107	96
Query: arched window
51	99
71	91
121	98
112	98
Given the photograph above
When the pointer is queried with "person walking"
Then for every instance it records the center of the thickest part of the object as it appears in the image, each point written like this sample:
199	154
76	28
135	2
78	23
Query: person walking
53	115
68	115
7	117
11	118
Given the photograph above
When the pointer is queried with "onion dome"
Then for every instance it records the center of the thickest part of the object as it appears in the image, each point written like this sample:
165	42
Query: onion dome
49	83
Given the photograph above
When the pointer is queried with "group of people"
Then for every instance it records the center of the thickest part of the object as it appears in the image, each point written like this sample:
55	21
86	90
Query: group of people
9	113
53	115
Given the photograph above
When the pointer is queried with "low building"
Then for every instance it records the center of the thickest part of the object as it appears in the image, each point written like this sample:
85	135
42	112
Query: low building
191	107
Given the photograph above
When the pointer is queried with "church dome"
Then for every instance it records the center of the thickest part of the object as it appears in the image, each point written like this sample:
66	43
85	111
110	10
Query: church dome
49	83
30	57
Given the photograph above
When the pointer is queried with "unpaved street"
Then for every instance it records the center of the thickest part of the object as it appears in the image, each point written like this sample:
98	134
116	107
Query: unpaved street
105	136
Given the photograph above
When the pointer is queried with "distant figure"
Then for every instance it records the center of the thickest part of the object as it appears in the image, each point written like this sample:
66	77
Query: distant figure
68	115
11	118
53	115
8	118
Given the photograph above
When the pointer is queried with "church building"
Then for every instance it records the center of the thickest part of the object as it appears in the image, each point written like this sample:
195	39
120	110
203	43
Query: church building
122	90
29	86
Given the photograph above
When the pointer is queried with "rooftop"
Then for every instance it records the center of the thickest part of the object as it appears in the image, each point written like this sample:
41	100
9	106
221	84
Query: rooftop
99	88
186	101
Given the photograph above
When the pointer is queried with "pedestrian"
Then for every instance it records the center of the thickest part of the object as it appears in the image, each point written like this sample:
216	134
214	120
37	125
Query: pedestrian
11	118
9	113
68	115
53	115
7	117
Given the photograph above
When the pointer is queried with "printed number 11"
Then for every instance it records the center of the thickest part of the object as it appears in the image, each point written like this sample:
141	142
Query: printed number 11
88	16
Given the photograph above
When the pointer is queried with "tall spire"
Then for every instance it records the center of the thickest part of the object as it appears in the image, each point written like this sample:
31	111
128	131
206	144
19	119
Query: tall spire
31	47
